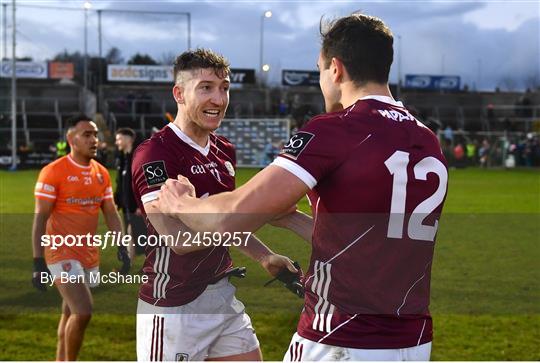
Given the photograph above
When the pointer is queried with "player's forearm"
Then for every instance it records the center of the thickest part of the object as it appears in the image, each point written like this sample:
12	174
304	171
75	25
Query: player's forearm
299	223
255	249
113	221
167	226
224	212
38	230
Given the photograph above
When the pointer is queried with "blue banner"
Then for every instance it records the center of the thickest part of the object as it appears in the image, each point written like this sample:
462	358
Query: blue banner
293	78
427	82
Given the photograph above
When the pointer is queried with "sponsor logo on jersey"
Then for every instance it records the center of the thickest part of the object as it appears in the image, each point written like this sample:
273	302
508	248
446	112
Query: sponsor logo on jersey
296	144
181	357
84	201
396	115
230	168
45	187
72	178
155	173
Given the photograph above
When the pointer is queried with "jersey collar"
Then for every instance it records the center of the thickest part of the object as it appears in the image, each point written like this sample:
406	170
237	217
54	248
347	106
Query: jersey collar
384	99
79	165
185	138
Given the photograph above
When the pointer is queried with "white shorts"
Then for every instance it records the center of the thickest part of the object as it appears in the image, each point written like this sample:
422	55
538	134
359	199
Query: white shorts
71	269
213	325
302	349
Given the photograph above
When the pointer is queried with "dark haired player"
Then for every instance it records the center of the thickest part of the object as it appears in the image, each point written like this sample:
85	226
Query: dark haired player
187	310
69	193
376	179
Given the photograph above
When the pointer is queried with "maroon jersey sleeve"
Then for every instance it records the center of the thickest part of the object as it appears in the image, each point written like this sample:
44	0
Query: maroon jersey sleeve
149	170
315	150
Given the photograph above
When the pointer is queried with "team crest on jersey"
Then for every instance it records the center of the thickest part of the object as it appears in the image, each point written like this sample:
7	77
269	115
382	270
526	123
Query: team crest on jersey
230	168
296	144
100	178
155	173
66	266
181	357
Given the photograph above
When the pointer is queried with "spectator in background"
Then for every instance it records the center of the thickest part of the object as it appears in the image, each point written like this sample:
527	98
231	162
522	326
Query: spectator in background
459	155
283	108
448	135
134	224
60	148
483	153
471	152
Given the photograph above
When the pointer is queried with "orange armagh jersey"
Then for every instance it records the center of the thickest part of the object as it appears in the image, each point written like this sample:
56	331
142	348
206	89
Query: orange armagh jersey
77	192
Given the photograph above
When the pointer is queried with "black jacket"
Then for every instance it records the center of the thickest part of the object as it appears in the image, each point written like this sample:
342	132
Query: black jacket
123	196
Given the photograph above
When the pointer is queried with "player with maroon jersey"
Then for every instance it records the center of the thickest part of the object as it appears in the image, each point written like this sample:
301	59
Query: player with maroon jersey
376	180
187	310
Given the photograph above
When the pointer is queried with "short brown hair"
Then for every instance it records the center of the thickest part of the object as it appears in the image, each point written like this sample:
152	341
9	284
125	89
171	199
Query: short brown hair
126	131
363	43
201	58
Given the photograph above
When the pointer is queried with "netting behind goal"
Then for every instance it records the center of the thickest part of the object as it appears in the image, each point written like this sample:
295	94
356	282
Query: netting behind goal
255	139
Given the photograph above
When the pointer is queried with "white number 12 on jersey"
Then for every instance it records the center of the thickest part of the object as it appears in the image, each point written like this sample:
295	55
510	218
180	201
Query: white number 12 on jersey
397	165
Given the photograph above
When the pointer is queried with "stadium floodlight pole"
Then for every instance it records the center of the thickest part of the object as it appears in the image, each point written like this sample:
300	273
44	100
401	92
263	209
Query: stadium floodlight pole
14	91
99	34
87	5
399	68
263	67
188	31
4	30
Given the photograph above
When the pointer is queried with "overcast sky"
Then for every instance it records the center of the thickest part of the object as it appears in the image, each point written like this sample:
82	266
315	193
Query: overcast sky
486	43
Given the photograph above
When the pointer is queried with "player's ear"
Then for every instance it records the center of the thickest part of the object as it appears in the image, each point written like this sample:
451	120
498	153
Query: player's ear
69	136
338	70
178	93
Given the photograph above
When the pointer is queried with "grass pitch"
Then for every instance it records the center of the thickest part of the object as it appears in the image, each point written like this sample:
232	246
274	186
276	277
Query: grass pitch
485	280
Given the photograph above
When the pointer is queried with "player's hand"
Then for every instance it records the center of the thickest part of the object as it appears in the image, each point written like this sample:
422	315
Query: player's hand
172	192
40	266
291	281
274	264
123	257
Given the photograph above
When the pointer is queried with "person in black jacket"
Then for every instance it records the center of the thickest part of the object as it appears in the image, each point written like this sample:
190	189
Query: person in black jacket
123	197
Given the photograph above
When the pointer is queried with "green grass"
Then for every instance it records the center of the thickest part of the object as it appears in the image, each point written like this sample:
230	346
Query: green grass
485	280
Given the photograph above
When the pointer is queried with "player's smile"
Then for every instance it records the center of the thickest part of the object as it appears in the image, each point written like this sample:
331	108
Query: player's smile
212	113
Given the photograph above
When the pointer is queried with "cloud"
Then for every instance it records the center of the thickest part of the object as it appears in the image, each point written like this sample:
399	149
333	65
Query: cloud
480	41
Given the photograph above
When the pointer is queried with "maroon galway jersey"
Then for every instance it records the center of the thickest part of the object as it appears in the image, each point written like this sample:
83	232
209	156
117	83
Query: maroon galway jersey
176	280
378	182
